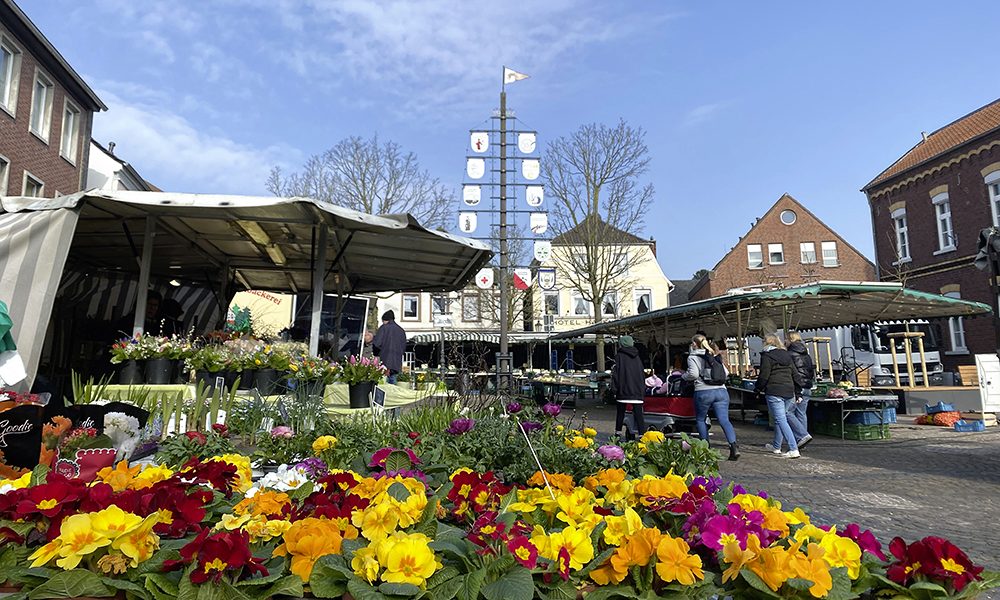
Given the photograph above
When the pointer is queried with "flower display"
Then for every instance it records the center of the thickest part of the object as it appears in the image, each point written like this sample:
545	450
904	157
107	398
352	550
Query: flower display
354	370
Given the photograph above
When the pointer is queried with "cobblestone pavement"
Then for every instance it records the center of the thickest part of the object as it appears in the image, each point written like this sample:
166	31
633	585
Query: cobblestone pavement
924	480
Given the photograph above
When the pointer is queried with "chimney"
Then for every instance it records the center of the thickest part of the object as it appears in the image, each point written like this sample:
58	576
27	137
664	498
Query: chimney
111	147
923	134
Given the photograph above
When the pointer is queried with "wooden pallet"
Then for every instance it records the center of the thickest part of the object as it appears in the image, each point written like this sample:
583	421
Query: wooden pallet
969	375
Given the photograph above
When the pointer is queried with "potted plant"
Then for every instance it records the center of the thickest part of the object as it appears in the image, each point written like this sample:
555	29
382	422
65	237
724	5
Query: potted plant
273	362
360	375
181	349
130	353
160	363
309	375
207	362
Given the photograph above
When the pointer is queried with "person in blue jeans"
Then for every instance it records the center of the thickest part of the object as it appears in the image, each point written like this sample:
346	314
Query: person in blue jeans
804	364
777	381
709	396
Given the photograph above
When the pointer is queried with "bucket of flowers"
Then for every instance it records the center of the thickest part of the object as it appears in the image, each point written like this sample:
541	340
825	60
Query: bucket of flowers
309	375
360	375
131	354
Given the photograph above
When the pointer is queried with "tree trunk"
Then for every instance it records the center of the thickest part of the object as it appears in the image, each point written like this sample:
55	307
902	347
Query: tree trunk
598	317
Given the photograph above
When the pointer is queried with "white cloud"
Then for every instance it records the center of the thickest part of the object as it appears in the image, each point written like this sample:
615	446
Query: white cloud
175	155
701	114
215	65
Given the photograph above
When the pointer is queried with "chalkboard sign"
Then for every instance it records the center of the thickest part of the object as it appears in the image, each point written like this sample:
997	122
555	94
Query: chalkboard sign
21	436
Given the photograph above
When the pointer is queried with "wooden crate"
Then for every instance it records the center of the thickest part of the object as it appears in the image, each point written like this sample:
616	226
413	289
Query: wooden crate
988	419
969	375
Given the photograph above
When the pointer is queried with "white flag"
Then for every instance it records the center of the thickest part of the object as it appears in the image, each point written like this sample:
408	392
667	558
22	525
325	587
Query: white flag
479	141
467	222
530	168
484	278
510	75
534	194
538	223
475	167
543	250
526	142
472	194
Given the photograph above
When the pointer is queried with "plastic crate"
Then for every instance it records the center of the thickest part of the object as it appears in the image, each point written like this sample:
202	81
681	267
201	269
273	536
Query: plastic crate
970	426
854	432
939	407
871	418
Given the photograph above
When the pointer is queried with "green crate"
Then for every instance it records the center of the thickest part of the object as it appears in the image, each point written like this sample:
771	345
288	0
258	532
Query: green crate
853	432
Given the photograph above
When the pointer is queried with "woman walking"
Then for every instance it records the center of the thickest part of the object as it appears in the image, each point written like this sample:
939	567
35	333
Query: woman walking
777	380
803	363
709	393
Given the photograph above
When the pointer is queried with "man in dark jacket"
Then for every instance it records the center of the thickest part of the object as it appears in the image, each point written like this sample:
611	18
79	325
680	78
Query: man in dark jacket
804	364
778	381
389	344
628	384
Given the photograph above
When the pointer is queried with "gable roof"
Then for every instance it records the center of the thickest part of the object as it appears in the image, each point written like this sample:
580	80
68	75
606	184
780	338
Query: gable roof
577	236
681	292
961	131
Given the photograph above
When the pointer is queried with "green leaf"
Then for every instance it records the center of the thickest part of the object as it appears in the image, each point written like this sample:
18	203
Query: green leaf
608	592
329	577
799	583
757	583
443	575
472	584
38	475
260	581
399	589
448	589
428	520
302	492
398	491
290	585
127	586
599	560
515	584
72	584
564	590
841	589
161	586
397	460
362	591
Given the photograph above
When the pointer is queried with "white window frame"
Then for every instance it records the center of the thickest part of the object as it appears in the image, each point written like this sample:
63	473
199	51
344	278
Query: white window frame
750	253
807	247
576	298
477	298
613	296
444	311
992	182
773	249
545	304
11	78
24	184
824	246
901	228
956	331
621	265
69	151
46	125
945	225
402	308
4	174
637	296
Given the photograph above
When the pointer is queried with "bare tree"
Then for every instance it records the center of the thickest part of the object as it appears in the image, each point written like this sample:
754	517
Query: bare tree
369	176
598	205
519	302
894	270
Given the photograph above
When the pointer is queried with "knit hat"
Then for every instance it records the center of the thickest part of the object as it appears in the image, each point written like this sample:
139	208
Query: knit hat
388	316
626	341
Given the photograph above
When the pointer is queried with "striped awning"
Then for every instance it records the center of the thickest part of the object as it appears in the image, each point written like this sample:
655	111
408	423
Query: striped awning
493	337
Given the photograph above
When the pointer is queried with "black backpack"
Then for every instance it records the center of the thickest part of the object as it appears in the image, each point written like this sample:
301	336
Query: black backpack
713	372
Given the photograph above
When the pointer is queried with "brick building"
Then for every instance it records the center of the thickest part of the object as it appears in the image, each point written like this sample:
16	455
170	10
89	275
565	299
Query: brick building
927	210
46	112
787	246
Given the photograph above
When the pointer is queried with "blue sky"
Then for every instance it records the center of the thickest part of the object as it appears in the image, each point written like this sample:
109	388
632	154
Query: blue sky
741	101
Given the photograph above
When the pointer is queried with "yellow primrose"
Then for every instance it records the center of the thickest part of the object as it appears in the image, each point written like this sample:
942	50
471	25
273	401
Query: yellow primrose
77	539
376	522
589	432
653	437
323	442
113	522
243	471
620	527
575	540
119	477
365	564
232	522
668	486
842	552
578	442
812	567
140	543
797	517
578	508
737	558
752	502
407	558
810	532
151	474
674	562
772	565
16	484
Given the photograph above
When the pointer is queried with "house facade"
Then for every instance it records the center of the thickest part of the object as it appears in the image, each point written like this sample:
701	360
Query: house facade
787	246
46	113
927	209
106	171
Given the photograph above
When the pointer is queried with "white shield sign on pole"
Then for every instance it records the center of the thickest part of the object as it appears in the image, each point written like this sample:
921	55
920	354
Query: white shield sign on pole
472	194
480	141
475	167
526	142
547	278
530	168
539	223
543	250
467	222
534	194
484	278
522	279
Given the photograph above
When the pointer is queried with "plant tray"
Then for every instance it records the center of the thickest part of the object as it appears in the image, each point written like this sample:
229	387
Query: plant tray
970	426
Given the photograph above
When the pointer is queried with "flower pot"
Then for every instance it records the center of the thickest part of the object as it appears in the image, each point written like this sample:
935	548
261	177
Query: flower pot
360	394
230	377
159	371
247	378
208	377
266	381
310	387
181	374
131	373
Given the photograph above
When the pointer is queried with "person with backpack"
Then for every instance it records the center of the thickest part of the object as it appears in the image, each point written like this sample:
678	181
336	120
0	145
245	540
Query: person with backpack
628	384
707	371
807	370
777	381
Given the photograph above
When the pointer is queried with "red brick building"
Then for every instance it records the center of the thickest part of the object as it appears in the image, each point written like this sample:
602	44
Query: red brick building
787	246
927	210
46	112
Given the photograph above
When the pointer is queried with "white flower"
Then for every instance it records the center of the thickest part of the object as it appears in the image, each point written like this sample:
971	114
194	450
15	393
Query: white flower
284	479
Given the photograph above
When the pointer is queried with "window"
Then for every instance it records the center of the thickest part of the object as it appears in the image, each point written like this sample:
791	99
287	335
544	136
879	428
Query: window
470	307
993	186
621	264
4	173
643	301
609	305
902	235
755	256
550	302
829	254
775	254
32	186
807	252
788	217
411	307
70	132
956	329
10	67
581	307
41	106
440	305
942	213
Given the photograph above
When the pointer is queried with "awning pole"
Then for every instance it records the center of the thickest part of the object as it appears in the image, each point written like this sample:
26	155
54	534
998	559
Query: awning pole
319	269
139	323
739	338
666	344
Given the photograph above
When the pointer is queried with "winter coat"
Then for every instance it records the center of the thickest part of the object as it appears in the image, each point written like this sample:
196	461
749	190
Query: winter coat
389	344
778	376
803	363
627	376
696	363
